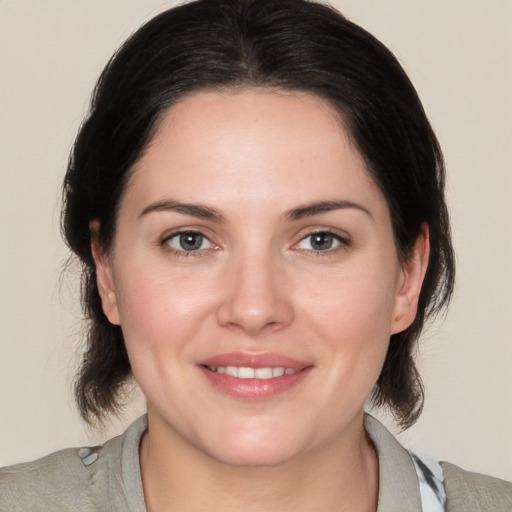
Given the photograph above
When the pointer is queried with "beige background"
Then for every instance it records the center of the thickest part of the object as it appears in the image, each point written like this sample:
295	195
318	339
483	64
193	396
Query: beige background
458	53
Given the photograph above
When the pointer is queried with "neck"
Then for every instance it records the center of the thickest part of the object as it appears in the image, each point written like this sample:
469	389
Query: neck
341	476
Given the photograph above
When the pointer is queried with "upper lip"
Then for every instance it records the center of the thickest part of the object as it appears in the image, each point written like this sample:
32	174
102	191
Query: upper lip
264	360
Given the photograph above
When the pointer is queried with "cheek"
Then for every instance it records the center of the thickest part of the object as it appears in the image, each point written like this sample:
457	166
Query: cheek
160	310
358	301
353	316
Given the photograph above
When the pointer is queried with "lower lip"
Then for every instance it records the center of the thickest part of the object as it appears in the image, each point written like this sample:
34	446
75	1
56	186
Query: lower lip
254	389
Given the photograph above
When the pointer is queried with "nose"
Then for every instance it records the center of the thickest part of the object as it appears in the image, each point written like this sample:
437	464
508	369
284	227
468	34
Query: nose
255	296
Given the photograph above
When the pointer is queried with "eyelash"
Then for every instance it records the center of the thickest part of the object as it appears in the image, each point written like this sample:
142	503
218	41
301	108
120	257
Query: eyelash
341	242
183	253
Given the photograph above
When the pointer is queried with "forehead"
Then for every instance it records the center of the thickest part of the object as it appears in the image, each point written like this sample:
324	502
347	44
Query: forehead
251	145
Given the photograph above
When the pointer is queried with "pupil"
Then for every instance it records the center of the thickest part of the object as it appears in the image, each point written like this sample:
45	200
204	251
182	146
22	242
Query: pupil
191	241
321	241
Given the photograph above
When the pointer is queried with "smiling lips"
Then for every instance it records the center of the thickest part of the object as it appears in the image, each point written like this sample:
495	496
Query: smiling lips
254	377
244	372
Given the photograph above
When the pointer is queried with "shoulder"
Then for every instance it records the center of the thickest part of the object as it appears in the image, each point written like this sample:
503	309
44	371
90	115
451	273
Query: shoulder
88	479
475	492
59	480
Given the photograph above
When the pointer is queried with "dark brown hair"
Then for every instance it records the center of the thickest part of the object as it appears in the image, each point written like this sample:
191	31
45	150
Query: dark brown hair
286	44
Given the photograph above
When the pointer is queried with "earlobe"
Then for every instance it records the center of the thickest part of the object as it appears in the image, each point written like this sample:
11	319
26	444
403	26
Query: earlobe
413	272
104	279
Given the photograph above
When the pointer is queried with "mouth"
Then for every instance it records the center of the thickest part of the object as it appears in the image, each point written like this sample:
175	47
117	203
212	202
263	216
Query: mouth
246	372
254	377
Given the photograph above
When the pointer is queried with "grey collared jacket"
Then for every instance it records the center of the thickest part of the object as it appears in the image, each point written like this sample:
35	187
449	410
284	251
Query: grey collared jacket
108	479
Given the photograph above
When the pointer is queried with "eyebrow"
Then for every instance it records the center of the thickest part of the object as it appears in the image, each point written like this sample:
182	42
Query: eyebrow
209	213
192	209
318	207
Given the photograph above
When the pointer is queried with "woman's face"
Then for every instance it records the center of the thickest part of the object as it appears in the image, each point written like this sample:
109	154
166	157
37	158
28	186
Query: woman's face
255	277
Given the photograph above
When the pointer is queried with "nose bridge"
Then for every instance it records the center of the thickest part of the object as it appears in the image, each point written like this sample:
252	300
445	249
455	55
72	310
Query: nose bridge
255	298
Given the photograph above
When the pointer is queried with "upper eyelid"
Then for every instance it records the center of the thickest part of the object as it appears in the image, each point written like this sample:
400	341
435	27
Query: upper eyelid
176	232
342	235
323	230
179	231
344	241
165	243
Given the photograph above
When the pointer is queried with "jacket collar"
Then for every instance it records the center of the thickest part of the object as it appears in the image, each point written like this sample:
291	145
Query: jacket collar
398	482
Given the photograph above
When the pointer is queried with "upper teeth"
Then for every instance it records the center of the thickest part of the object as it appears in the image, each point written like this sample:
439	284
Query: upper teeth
243	372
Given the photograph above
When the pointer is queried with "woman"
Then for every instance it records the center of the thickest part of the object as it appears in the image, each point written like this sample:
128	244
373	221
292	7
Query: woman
257	200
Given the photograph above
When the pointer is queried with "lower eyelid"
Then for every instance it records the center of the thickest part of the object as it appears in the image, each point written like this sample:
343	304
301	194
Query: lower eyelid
166	241
341	240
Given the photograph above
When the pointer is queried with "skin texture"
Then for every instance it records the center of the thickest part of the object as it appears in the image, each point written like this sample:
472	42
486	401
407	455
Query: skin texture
256	285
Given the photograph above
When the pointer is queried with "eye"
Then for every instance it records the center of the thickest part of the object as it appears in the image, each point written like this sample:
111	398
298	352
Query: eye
321	241
188	241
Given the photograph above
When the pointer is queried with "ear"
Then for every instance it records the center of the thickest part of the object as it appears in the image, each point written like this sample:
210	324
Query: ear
409	286
104	279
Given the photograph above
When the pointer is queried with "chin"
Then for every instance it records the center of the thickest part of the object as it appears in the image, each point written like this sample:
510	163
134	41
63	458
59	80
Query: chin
261	447
260	455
